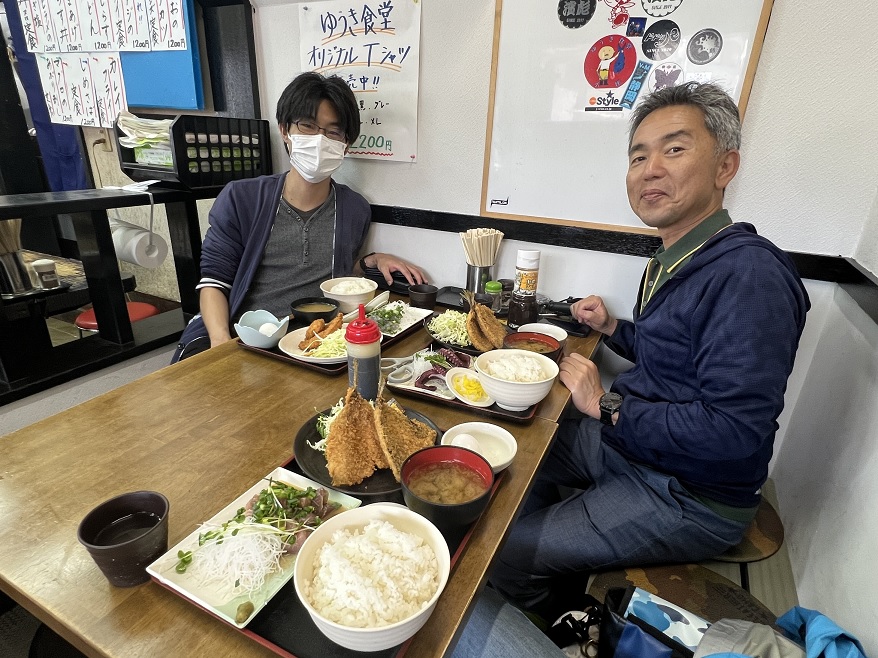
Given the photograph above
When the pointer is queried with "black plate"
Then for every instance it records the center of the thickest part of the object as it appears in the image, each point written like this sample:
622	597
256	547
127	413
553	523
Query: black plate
313	462
467	349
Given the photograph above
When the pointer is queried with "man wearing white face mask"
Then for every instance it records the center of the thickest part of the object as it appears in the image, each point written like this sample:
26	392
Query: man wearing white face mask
273	239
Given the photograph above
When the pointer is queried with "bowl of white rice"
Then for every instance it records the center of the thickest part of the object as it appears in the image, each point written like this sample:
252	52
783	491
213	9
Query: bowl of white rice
516	379
370	577
349	291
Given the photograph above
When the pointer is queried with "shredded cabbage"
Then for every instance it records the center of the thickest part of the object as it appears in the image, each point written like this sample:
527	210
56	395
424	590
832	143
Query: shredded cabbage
450	327
332	346
324	422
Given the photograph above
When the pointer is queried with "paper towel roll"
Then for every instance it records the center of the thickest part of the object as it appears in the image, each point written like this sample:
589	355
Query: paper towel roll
132	244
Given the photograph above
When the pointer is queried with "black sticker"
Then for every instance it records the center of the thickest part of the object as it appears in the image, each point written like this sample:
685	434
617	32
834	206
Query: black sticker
660	41
705	46
575	13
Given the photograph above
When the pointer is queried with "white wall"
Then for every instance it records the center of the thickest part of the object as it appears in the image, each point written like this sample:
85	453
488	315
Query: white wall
826	473
808	181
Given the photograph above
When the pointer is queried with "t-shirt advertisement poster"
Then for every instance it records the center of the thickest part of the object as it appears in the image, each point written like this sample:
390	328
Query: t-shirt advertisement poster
374	47
77	45
561	104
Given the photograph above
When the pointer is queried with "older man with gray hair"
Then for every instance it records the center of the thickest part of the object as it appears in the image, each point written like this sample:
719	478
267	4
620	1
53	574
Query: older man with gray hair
667	466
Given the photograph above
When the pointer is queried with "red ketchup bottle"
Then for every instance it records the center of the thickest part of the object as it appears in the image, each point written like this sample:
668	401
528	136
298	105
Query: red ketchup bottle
363	338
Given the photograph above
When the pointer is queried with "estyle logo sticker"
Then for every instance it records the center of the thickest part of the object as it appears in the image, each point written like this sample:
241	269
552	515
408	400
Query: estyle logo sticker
609	102
660	8
660	41
705	46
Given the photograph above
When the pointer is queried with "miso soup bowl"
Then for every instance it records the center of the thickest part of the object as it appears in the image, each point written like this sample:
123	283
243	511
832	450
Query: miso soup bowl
309	316
454	515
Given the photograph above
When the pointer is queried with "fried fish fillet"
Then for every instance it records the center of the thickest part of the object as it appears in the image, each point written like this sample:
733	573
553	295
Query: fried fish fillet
399	436
352	449
476	336
490	326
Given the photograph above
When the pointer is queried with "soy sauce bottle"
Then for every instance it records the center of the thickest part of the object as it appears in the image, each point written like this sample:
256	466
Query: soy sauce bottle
523	305
363	338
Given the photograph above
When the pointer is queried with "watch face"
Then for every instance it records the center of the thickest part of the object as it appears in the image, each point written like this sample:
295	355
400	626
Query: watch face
611	402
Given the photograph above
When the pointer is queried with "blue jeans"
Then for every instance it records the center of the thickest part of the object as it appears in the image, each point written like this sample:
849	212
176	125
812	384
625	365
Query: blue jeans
498	630
620	514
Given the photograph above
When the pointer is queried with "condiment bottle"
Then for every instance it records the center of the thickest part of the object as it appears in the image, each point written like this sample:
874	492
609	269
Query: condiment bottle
363	338
523	305
494	289
506	297
45	269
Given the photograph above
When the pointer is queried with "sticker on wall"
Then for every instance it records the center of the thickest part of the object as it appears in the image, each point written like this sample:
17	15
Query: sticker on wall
619	11
575	13
705	46
608	102
665	75
636	26
659	8
610	62
636	84
660	41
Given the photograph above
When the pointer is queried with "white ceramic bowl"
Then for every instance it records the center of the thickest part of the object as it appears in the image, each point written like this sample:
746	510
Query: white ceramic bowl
516	396
495	444
248	327
383	637
348	303
545	328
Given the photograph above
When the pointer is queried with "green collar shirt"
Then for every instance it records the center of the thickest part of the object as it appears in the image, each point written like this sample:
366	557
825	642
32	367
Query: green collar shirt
667	262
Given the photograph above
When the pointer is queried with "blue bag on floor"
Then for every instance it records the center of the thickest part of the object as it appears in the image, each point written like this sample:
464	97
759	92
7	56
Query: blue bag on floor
823	638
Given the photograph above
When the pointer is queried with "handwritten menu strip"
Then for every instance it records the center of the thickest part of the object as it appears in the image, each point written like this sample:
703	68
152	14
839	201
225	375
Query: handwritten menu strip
82	89
77	26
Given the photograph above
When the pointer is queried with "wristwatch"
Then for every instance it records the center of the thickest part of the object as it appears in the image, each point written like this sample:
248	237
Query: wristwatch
610	404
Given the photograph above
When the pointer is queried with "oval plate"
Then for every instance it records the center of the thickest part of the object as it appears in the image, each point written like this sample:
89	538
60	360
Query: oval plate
453	373
313	462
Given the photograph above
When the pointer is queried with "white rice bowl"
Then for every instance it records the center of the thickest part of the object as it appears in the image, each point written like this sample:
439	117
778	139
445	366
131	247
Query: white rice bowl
368	587
515	378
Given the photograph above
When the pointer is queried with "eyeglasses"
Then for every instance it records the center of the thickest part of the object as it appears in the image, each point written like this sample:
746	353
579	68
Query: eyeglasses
311	128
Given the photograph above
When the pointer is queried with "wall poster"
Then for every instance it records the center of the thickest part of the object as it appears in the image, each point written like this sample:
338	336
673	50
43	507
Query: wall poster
375	47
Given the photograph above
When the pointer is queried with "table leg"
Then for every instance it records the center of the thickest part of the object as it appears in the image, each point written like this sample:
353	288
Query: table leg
185	232
98	256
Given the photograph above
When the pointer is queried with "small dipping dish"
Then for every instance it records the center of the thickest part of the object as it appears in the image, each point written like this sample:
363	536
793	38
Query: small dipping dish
261	329
466	386
491	441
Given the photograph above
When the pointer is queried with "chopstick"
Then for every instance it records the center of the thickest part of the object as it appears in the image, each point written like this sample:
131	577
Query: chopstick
481	245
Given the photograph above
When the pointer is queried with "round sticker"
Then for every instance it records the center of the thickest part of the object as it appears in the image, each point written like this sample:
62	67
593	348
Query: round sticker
665	75
575	14
610	62
660	40
705	46
660	8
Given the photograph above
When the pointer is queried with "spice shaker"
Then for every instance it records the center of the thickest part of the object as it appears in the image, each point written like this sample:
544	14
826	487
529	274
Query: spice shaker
523	305
494	289
45	269
363	338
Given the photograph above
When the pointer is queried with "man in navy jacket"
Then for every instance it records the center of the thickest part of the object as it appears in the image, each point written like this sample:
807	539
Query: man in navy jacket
667	466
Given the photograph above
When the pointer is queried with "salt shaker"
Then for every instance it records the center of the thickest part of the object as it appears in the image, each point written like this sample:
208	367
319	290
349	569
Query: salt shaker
494	289
363	338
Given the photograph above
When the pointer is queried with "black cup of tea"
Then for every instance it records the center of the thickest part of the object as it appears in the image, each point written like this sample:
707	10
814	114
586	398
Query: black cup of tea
423	296
125	534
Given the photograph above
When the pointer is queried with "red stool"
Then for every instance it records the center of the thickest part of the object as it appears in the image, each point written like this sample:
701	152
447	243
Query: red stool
86	320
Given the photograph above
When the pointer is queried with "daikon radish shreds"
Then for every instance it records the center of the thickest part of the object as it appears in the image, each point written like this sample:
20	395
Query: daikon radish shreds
239	563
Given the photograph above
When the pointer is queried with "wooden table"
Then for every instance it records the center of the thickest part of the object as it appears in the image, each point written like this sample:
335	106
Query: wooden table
201	432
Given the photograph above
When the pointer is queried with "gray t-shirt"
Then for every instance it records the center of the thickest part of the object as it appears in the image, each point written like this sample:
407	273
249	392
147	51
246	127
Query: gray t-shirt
297	258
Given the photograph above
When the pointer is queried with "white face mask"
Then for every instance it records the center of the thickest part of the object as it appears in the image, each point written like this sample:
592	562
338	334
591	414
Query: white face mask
315	157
